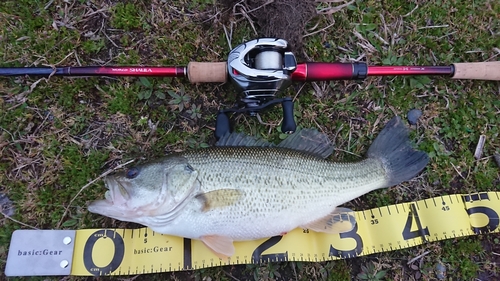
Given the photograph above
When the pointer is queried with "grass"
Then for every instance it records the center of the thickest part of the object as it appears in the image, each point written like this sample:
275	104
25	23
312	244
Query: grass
58	134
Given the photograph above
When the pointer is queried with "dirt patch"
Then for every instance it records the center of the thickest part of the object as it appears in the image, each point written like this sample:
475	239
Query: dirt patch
284	19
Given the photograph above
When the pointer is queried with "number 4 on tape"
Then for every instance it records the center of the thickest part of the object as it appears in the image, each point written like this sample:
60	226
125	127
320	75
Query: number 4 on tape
40	253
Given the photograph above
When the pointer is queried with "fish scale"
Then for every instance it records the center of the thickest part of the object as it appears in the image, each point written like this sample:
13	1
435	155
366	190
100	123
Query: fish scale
298	187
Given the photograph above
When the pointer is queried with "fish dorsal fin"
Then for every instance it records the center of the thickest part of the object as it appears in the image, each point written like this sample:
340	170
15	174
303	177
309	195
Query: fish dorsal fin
306	140
219	198
240	139
310	141
222	246
339	221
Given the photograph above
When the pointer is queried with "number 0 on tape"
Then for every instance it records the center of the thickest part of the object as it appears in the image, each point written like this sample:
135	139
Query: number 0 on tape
94	252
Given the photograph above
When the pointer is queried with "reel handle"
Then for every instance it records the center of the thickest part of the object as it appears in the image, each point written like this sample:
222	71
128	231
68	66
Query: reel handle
222	125
288	125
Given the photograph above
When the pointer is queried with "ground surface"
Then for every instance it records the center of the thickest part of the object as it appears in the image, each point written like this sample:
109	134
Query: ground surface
57	135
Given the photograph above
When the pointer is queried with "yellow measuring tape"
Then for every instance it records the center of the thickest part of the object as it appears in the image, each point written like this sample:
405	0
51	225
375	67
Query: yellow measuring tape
138	251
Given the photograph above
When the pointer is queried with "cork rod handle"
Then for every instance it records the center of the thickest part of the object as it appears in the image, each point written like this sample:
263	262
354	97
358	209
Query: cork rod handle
477	70
201	72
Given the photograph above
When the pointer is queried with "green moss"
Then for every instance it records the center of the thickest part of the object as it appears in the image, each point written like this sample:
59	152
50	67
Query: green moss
125	16
462	257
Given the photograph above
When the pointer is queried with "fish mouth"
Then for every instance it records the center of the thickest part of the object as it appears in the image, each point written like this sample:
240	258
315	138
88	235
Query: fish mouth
117	193
115	196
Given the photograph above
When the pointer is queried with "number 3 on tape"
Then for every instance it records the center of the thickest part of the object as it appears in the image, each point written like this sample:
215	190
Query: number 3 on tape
353	234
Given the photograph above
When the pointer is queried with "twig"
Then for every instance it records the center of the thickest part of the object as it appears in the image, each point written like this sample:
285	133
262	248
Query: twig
433	26
131	278
262	122
14	220
382	19
350	134
380	38
418	257
446	35
323	29
13	139
261	6
89	184
294	271
100	11
229	37
411	12
330	1
479	148
460	174
298	92
48	4
21	96
112	42
245	14
348	152
230	275
331	10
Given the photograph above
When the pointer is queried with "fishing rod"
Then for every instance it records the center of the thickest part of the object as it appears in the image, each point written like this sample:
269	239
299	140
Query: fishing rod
261	68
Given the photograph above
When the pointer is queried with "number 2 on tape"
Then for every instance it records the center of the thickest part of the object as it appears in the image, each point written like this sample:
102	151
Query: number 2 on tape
257	253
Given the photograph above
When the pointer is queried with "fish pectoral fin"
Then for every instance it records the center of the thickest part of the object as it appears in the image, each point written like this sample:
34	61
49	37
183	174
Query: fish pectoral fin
222	246
219	198
339	221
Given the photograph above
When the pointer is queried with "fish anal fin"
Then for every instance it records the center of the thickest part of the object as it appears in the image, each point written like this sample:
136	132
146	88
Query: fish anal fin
339	221
219	198
222	246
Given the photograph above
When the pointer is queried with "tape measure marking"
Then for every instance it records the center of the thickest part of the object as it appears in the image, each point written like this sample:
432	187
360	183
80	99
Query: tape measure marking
134	251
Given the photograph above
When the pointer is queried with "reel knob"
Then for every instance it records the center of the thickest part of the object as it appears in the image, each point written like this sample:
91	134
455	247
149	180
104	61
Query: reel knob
222	125
288	126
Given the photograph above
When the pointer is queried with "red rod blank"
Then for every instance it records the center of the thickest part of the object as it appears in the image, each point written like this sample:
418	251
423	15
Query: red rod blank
159	71
409	70
324	71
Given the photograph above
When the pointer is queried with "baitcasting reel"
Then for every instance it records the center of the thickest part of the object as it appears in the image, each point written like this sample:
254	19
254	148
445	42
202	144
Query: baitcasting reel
259	69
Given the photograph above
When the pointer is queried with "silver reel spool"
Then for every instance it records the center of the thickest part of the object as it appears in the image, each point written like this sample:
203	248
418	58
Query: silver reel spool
262	67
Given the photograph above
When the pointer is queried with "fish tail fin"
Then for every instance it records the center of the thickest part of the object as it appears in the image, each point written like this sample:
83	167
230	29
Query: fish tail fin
392	146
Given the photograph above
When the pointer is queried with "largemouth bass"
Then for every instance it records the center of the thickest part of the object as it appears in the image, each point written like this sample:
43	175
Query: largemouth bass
246	188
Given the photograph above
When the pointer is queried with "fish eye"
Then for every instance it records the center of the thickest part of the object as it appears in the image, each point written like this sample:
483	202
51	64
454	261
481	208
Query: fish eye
132	173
